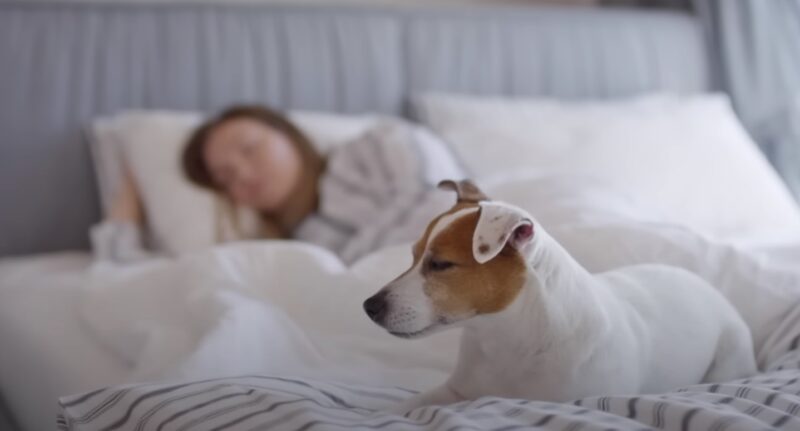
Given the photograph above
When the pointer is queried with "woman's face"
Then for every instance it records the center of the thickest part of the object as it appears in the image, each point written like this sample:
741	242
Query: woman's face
254	164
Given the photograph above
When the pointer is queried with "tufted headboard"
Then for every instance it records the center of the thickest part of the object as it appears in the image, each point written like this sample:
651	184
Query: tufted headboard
63	64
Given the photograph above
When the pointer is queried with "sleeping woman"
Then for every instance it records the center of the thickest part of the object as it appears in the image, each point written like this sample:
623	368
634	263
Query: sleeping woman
374	191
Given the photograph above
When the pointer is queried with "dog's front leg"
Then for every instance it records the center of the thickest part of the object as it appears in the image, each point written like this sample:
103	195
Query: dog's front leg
439	396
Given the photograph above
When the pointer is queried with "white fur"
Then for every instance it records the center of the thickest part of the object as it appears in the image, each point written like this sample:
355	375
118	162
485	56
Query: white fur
495	225
571	334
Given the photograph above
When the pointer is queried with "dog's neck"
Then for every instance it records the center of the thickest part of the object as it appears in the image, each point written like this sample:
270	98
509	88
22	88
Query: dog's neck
557	302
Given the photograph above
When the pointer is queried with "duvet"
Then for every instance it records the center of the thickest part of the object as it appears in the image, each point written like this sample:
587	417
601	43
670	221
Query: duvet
271	335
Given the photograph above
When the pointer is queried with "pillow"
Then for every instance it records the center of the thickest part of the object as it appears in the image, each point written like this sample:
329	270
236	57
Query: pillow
181	216
325	131
685	156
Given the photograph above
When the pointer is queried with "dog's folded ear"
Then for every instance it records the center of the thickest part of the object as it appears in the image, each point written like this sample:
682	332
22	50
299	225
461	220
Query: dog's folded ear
500	224
467	191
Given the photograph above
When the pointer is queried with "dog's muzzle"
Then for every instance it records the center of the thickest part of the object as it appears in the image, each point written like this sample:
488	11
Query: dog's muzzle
376	307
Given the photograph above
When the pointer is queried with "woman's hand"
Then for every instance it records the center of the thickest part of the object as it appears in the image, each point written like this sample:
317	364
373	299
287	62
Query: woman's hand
127	205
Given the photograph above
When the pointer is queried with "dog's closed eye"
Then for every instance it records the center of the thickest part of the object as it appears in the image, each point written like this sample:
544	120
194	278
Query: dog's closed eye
439	265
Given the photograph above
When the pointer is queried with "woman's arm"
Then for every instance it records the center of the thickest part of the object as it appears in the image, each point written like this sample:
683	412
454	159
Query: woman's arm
119	238
127	205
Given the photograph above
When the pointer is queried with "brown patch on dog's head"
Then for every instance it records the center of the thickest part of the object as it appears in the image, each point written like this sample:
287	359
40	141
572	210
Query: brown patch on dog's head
419	246
469	195
456	283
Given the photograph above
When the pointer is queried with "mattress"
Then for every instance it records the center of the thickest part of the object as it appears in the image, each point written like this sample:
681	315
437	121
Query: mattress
46	353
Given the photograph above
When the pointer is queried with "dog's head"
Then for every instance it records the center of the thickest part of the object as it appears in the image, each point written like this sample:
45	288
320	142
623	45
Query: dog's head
470	261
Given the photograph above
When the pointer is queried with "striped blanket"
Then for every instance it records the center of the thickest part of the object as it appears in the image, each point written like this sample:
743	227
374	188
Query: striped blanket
768	401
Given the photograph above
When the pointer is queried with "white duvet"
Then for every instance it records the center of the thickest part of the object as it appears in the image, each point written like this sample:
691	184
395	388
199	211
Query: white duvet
286	308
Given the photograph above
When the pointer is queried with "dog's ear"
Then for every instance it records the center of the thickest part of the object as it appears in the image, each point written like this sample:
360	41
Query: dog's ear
467	191
500	224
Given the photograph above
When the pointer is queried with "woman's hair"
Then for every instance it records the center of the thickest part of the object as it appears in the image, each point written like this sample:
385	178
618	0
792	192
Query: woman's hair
194	165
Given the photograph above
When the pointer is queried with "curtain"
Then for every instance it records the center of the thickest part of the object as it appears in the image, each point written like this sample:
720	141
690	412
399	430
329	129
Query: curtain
755	46
755	50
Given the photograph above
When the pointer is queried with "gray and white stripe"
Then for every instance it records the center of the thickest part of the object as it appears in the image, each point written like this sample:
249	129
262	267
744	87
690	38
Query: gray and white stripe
380	186
767	401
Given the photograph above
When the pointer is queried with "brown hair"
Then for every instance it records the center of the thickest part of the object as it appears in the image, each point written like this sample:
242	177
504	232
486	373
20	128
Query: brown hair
275	225
194	165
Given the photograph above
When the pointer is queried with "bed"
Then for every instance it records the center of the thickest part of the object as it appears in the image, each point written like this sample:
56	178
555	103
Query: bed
188	327
70	327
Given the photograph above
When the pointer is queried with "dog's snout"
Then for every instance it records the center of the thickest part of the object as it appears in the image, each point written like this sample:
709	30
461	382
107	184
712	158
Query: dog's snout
376	307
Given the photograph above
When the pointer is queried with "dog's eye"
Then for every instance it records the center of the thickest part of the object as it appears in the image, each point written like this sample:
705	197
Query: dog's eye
439	265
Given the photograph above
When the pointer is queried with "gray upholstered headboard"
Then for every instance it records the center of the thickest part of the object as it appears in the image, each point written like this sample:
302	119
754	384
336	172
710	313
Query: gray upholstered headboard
61	65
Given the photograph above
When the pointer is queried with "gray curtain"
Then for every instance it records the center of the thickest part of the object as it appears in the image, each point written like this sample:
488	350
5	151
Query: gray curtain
755	48
756	56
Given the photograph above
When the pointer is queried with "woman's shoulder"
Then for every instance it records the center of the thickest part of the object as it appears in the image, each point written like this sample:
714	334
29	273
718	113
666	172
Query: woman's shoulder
394	144
387	132
383	127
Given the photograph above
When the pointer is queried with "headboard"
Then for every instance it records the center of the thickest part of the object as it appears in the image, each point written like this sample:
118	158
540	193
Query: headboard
63	64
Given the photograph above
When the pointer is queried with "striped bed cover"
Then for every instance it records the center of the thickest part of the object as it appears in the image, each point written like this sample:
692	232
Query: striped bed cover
768	401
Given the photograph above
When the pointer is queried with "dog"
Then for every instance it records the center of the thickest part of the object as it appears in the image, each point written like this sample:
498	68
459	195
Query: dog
537	325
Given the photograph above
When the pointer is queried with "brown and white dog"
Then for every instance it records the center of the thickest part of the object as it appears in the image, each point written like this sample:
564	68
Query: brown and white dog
537	325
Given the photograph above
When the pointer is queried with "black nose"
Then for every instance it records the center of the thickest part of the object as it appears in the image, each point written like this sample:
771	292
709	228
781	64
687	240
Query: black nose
376	307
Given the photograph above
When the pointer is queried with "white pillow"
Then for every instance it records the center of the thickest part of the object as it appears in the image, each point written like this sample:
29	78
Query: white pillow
686	156
181	216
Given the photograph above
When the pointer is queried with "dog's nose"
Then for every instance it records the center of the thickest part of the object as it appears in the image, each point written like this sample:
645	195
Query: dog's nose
376	307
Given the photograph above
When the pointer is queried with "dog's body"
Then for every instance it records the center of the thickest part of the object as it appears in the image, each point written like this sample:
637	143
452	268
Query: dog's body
539	326
640	329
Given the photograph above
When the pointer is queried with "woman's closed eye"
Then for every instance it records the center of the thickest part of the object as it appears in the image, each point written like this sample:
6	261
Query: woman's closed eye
439	265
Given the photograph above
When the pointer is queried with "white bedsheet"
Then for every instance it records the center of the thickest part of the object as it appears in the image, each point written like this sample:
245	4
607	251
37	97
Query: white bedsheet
45	351
285	308
261	307
288	308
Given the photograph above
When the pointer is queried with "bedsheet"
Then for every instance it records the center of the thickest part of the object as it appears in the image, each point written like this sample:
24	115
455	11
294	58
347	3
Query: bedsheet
45	351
